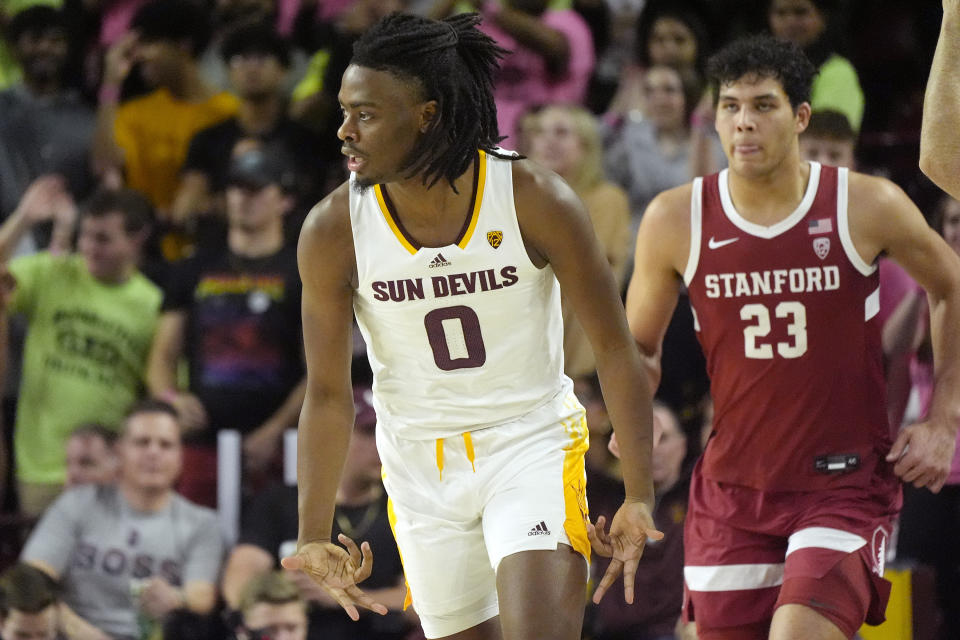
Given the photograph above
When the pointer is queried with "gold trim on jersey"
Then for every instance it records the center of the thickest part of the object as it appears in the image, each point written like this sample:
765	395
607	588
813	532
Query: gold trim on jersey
477	199
392	519
469	226
385	210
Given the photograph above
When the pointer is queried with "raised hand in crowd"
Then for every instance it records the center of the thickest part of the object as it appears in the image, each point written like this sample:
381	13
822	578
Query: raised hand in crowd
47	198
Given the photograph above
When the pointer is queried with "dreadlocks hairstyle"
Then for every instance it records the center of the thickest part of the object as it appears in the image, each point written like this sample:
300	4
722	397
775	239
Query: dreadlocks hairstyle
453	62
764	57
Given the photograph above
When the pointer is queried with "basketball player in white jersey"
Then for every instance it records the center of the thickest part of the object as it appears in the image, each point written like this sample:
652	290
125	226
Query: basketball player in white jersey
449	250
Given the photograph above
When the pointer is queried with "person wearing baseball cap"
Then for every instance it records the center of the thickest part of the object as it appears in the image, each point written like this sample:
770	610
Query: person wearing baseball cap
233	312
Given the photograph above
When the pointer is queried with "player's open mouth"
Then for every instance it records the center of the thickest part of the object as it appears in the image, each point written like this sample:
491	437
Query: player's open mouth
355	163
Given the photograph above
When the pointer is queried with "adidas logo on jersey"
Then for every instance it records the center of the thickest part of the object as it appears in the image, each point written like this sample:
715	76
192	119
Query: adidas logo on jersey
439	261
539	530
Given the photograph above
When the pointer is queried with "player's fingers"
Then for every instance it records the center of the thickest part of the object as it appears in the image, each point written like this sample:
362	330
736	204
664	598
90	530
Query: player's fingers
609	577
930	478
293	563
654	534
629	573
600	527
352	549
600	547
365	601
363	572
344	601
899	446
908	472
599	539
936	486
908	460
911	477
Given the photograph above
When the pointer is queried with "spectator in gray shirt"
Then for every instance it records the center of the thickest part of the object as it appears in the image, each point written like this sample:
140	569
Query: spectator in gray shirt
130	554
44	126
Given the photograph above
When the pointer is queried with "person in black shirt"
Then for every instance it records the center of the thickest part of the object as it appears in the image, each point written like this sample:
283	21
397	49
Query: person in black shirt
269	532
257	60
660	574
233	313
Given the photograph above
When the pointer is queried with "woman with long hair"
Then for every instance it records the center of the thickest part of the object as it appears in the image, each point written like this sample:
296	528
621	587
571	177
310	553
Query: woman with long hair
566	139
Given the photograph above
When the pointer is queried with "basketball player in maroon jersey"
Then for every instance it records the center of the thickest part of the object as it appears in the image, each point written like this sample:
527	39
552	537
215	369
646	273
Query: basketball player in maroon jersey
792	502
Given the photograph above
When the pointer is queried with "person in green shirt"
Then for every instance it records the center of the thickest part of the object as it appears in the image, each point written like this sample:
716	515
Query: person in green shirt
812	25
90	315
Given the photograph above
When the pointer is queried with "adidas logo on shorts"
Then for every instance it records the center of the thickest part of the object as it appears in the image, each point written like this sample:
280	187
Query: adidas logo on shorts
539	530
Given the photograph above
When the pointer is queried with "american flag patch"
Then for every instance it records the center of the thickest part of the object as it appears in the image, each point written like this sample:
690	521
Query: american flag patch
823	225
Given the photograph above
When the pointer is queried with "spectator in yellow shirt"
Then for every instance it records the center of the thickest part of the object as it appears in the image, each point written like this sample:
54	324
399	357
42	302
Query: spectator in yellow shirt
142	142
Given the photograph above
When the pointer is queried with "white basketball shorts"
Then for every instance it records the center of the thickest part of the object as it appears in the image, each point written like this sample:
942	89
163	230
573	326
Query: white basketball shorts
459	505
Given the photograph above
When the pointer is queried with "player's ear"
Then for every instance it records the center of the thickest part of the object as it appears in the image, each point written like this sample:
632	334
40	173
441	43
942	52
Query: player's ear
429	111
803	116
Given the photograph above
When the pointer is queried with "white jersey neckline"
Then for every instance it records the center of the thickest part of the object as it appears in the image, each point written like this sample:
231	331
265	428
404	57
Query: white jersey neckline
772	231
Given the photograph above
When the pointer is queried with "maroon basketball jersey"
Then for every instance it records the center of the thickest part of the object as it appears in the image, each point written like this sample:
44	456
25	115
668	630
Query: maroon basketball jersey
786	316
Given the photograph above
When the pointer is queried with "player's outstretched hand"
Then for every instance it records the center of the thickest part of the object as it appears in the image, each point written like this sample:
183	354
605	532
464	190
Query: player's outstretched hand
338	571
632	525
922	454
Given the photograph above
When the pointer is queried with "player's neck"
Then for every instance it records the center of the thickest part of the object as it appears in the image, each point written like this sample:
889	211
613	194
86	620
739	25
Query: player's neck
433	215
769	198
428	200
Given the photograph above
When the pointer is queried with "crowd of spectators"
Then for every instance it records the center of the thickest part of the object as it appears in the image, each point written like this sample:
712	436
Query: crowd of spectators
157	158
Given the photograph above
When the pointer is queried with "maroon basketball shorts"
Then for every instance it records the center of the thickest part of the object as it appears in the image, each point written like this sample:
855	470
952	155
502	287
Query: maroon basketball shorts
748	551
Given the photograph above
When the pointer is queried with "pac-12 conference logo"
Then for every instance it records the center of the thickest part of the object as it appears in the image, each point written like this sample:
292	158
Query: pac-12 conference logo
821	246
495	238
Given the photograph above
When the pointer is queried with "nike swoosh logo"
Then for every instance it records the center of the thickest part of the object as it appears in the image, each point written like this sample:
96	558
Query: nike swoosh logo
816	604
716	244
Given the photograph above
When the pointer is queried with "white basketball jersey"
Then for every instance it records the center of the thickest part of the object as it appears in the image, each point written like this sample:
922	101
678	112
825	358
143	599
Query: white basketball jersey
463	336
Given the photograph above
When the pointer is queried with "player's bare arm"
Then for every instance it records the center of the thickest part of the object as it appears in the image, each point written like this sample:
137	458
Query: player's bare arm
557	231
327	268
660	257
883	219
939	140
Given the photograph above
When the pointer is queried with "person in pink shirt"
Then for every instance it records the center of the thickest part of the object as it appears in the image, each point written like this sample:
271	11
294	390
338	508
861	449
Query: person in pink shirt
930	522
550	61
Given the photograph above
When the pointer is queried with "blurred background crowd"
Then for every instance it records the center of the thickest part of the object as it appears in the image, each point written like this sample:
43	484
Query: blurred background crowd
157	158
